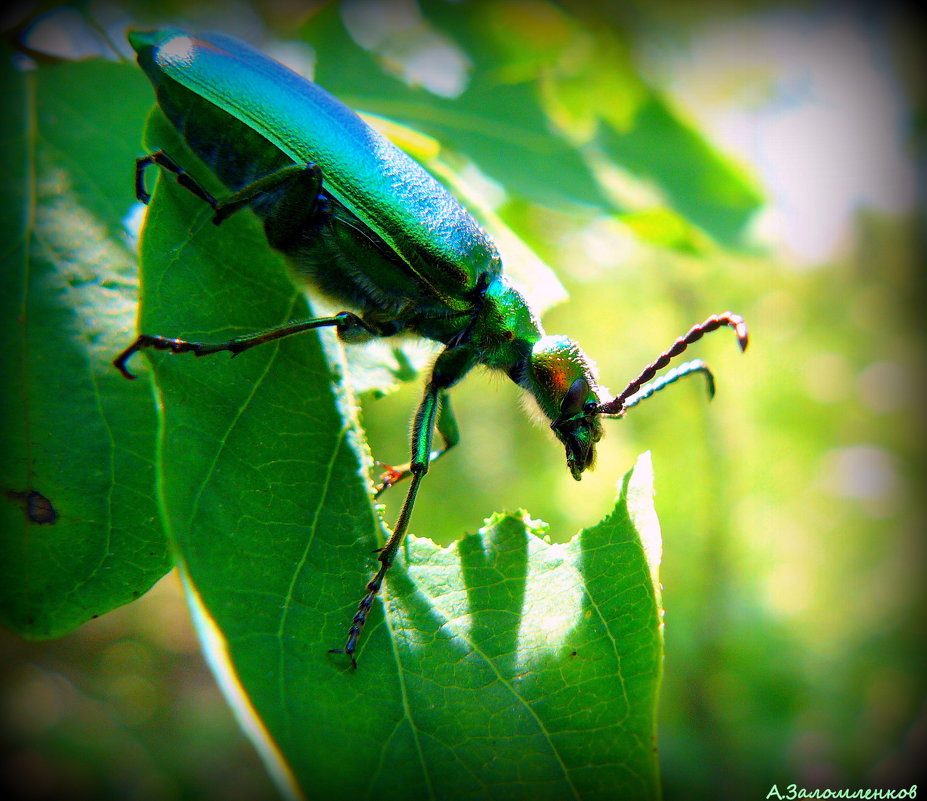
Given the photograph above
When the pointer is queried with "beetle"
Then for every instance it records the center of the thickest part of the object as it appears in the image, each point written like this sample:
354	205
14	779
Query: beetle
367	226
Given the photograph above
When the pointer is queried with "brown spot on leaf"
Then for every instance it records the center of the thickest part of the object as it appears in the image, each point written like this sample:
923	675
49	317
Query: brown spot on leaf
36	507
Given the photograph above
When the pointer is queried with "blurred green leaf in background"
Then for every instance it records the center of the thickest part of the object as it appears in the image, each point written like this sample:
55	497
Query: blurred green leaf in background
664	161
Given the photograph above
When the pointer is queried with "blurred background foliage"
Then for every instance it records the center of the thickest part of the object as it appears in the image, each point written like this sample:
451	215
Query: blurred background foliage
668	161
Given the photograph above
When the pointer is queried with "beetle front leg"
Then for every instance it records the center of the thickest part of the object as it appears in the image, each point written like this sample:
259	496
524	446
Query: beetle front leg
422	432
451	365
450	435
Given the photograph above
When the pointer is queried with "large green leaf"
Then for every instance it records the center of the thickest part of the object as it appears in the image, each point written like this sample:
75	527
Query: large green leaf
80	532
504	666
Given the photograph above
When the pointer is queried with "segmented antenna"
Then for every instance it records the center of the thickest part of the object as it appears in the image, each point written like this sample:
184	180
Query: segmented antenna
618	405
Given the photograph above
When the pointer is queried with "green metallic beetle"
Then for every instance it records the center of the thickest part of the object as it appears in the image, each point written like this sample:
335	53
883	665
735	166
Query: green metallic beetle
365	225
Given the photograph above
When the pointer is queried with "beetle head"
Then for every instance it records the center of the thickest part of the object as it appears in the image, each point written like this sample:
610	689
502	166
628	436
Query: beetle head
562	380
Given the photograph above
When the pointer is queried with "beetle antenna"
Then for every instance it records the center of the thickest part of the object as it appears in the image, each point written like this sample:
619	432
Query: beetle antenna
681	371
622	402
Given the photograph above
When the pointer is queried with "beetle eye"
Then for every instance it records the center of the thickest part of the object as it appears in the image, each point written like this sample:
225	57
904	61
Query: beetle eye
589	408
572	403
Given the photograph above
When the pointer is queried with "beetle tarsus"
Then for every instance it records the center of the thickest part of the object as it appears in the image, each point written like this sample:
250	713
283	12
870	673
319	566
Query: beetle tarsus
425	421
236	345
363	609
120	361
345	651
165	162
157	343
389	478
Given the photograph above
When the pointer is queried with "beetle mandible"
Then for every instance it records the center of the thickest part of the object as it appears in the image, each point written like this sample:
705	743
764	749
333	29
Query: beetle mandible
367	226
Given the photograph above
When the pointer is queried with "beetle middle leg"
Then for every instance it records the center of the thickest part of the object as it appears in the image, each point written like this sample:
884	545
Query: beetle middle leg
343	321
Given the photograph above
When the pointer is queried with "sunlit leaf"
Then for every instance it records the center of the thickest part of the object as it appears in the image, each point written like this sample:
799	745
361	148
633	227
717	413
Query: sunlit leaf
662	226
699	182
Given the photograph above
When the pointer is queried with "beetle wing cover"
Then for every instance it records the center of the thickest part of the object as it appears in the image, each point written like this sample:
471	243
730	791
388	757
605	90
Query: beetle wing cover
389	191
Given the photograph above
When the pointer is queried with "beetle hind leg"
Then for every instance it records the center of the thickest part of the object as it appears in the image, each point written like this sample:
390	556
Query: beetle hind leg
286	212
299	206
289	200
161	159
